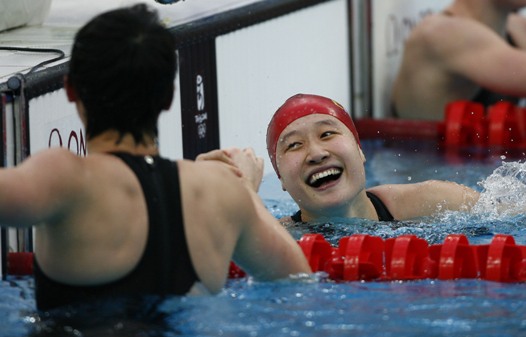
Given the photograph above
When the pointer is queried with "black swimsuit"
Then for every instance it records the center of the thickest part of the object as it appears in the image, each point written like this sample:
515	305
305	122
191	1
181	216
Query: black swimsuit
165	267
381	210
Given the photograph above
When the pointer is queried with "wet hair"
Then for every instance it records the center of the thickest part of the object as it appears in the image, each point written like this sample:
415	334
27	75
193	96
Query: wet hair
122	67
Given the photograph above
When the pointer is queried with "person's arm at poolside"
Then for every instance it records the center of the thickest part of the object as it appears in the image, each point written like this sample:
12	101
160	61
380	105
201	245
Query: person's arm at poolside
250	170
408	201
266	250
476	53
39	188
265	235
234	225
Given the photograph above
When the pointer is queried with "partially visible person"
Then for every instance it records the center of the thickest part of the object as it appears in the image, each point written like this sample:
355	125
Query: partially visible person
315	150
124	221
473	50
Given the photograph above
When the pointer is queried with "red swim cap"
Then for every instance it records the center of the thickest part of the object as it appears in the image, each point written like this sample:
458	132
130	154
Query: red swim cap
302	105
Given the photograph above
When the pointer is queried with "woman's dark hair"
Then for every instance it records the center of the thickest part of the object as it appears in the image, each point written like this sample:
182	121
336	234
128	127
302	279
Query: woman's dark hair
123	67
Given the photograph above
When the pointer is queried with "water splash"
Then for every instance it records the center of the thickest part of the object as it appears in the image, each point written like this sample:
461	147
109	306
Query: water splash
503	192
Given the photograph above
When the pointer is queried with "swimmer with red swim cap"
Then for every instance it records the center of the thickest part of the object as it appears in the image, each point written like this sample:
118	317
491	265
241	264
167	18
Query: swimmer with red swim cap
299	106
314	147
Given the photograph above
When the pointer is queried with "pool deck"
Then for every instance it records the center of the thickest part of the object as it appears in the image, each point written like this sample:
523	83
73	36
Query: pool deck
65	17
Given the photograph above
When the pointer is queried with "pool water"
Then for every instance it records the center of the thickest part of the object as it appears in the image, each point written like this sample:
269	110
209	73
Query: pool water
292	308
499	176
317	306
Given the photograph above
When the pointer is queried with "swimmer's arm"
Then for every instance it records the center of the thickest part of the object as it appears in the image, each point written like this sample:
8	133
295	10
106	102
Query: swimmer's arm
409	201
234	225
38	189
266	250
475	48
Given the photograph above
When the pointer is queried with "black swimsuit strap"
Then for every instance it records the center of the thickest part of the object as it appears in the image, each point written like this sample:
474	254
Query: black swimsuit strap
381	210
296	217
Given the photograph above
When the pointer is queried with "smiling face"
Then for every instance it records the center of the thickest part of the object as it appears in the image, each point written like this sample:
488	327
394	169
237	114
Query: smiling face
321	165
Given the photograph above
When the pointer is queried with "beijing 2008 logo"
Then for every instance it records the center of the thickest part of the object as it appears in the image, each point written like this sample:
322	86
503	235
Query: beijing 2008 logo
201	116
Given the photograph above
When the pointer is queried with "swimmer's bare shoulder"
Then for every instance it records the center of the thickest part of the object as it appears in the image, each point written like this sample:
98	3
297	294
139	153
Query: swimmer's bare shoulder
428	32
443	35
39	186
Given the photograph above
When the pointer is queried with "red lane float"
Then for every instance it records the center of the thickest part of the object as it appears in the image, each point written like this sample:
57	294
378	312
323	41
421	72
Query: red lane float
505	260
502	125
317	250
455	258
407	257
362	257
465	124
506	125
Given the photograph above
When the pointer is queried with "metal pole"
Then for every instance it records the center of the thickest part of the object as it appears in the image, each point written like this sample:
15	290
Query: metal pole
362	56
3	231
16	84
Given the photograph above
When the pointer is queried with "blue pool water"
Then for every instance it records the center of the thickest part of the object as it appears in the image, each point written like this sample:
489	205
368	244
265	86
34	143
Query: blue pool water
317	306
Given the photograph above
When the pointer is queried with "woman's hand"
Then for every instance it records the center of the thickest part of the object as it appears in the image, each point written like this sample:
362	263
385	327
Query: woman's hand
243	162
222	156
249	164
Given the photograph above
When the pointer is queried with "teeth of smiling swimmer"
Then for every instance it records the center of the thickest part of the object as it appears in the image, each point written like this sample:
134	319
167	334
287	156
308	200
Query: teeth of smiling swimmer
320	175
